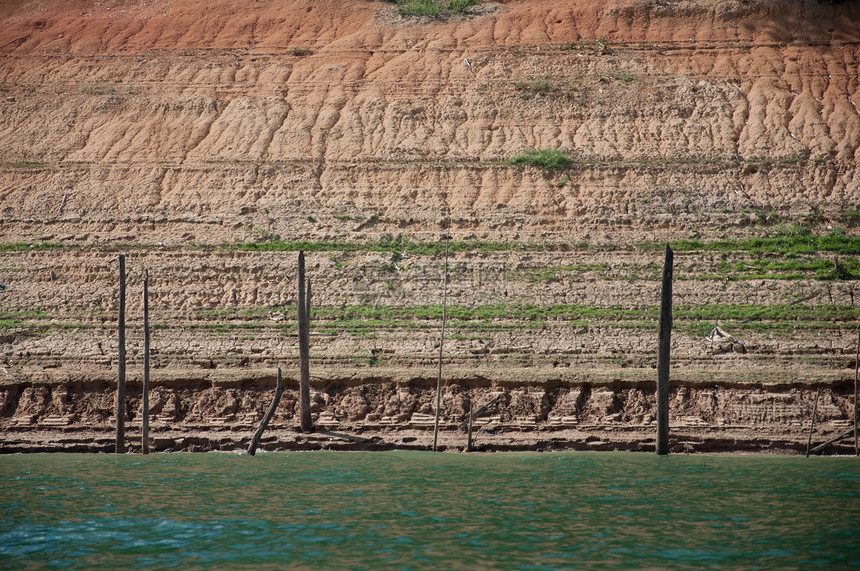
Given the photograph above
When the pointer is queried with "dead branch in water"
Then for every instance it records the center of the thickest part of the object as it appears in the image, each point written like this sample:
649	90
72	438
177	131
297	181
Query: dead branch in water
279	390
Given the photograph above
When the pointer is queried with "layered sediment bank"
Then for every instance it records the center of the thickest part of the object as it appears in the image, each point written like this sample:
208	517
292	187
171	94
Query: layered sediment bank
210	142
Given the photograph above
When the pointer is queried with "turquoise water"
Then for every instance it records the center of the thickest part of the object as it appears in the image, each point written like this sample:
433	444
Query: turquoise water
418	510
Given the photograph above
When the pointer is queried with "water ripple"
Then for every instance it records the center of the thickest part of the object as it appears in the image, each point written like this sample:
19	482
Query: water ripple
410	510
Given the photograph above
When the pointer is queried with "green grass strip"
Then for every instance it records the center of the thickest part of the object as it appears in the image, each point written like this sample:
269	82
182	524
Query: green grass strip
523	313
835	241
549	159
29	246
433	8
394	245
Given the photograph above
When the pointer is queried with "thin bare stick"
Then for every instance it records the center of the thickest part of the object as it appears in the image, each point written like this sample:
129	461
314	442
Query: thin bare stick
441	343
802	299
856	373
820	447
63	203
812	422
306	423
279	390
145	430
120	385
475	414
469	431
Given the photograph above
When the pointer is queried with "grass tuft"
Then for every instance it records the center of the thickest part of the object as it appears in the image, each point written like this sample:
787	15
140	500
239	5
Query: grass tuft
433	8
550	159
538	86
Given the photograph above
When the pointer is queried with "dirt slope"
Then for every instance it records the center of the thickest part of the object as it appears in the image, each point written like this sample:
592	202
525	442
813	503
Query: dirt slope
176	130
164	109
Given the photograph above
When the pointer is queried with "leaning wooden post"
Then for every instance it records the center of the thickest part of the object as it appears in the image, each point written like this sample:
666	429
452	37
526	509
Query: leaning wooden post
812	422
441	342
279	390
835	439
664	343
304	351
120	386
145	437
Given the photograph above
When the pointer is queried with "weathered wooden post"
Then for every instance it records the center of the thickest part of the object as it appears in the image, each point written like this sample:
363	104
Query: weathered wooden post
664	343
441	342
304	350
279	390
145	430
120	386
812	421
